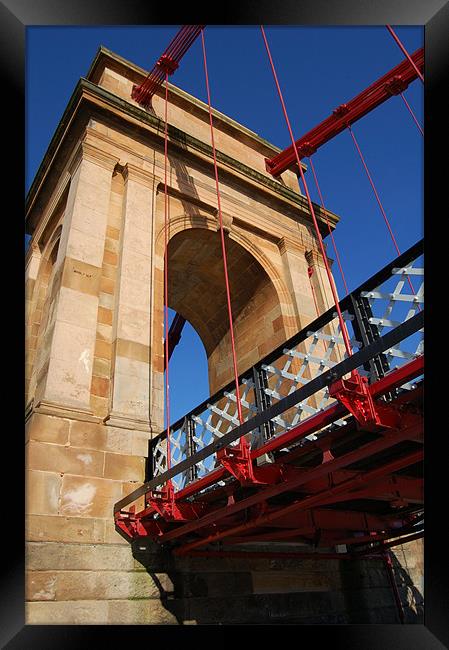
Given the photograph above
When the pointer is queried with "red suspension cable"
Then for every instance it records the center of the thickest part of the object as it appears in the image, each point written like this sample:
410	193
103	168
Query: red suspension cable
394	35
167	63
379	202
328	225
167	383
223	243
412	113
343	328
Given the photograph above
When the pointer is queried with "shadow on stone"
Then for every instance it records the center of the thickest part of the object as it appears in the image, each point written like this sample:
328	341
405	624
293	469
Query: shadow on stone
224	591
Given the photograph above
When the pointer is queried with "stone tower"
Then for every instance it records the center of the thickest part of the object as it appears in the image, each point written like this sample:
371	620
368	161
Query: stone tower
94	315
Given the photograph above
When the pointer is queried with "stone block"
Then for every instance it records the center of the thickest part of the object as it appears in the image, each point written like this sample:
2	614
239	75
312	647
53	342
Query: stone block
134	293
86	248
39	528
113	233
42	491
80	277
107	585
101	367
99	406
105	316
70	385
110	258
131	395
111	245
139	612
45	428
106	298
67	613
54	556
133	324
87	435
88	497
46	457
103	349
132	350
111	536
109	272
40	585
135	236
124	468
74	344
104	332
140	444
136	266
100	386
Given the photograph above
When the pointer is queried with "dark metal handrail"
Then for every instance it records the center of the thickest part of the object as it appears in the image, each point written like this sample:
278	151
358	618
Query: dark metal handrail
406	329
346	304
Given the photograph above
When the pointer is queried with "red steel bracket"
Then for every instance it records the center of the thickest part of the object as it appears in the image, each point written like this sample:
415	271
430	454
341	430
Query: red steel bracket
237	461
129	524
165	504
355	395
167	64
391	83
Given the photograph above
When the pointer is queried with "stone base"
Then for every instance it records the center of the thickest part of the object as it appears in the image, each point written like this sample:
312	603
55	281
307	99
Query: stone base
144	584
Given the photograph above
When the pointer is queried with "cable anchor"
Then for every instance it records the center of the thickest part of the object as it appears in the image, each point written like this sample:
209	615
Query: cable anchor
356	397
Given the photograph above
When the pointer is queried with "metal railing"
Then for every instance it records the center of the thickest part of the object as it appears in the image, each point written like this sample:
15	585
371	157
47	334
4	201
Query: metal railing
372	311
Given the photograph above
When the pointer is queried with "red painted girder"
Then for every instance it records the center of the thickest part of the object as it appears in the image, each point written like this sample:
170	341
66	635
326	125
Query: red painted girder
326	536
412	493
409	490
314	423
369	554
167	63
338	519
377	537
397	542
397	377
403	485
271	555
393	82
390	439
304	504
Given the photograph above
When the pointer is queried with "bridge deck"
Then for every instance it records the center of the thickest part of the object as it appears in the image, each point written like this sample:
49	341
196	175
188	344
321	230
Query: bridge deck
336	441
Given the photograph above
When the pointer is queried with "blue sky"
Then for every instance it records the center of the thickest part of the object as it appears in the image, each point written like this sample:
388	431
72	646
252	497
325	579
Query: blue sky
318	68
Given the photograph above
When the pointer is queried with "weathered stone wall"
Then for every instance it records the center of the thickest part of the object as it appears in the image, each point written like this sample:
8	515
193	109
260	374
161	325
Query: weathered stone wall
97	583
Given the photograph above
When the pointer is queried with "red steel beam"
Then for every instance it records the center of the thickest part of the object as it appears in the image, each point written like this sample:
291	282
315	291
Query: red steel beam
304	504
313	423
390	439
369	554
326	518
396	542
309	531
272	555
392	83
166	64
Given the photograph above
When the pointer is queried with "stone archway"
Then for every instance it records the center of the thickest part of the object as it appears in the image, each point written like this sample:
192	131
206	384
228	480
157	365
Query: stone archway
197	291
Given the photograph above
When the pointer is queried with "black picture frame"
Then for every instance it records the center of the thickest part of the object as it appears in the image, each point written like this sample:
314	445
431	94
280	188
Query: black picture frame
15	17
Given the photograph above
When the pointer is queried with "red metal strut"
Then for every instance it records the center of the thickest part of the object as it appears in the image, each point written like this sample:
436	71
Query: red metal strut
392	83
167	63
174	334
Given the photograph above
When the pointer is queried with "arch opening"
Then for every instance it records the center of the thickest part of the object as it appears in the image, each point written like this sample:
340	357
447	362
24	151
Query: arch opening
196	290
